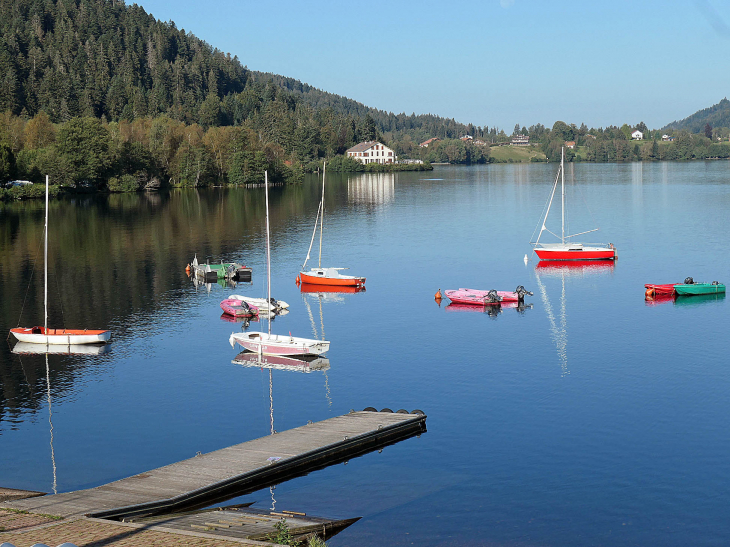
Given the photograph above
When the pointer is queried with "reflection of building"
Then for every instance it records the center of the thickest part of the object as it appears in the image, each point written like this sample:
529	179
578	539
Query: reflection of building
371	152
371	188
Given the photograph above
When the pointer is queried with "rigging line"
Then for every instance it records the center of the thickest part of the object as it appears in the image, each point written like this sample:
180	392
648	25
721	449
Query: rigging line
35	260
316	219
50	414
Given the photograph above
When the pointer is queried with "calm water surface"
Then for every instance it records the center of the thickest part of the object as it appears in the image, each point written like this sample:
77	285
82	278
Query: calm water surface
590	418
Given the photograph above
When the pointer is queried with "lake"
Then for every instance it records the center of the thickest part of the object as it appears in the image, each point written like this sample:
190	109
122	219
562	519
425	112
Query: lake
590	417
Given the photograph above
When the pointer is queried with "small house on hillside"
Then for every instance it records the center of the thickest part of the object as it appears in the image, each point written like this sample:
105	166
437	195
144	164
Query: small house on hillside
667	138
466	138
570	144
637	135
371	152
425	143
520	140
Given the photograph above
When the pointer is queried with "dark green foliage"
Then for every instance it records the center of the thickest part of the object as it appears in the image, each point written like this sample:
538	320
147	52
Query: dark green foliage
717	116
29	191
125	183
83	144
7	164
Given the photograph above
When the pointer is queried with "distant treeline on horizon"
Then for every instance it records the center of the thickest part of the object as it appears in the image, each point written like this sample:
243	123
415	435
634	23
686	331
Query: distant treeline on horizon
101	95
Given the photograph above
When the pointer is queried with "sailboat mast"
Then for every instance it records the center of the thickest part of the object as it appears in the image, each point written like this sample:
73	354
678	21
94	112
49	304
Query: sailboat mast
321	218
268	249
562	189
45	264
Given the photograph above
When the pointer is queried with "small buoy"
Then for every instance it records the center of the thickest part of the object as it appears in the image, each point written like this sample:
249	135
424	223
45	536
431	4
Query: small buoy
187	269
297	280
526	259
437	296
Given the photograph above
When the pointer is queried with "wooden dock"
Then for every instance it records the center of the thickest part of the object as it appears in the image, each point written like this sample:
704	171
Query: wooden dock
233	471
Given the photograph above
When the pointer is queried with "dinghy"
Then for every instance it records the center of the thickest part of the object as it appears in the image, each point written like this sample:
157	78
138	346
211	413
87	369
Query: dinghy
694	289
238	308
476	297
261	303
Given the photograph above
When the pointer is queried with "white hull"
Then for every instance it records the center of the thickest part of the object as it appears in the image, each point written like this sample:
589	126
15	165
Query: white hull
261	303
274	344
62	339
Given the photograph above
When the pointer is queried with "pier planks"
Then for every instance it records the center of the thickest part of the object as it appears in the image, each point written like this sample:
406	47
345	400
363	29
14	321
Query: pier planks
234	470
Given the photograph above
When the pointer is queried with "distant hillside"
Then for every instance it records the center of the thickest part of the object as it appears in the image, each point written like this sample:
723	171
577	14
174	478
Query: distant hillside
717	116
102	58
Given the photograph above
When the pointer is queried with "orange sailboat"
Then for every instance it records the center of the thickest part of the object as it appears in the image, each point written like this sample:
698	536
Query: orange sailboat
44	335
320	275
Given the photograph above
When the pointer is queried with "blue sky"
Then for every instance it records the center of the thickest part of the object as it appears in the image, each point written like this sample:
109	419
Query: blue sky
494	62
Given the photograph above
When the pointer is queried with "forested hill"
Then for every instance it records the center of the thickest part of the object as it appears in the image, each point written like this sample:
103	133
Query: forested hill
102	58
717	116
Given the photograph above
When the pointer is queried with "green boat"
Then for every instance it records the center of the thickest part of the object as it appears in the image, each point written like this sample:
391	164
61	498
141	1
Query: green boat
693	289
211	273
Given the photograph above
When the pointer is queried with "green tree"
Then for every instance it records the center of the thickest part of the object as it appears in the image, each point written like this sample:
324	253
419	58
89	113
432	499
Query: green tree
83	144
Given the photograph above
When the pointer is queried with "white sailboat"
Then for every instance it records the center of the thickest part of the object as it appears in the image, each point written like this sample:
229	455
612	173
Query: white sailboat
320	275
44	335
266	343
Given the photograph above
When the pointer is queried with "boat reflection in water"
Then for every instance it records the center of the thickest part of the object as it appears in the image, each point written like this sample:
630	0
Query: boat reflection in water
26	348
492	310
576	268
246	321
310	288
697	300
305	364
563	270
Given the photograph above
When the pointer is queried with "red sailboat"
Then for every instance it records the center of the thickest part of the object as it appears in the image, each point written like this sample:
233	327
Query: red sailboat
320	275
568	249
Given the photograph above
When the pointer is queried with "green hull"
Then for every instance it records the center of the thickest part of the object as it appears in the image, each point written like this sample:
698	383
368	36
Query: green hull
699	288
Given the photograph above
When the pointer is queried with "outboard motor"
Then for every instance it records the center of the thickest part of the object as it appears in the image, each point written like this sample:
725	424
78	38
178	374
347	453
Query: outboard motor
689	281
273	304
520	291
245	307
492	297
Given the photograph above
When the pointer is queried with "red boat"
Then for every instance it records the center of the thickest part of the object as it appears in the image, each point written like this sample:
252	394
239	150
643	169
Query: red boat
659	290
568	249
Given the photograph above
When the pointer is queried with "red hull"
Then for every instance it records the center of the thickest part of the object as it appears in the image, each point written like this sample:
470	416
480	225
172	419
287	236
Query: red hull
313	280
544	254
660	290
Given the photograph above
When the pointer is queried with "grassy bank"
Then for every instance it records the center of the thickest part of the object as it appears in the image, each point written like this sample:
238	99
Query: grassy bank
516	154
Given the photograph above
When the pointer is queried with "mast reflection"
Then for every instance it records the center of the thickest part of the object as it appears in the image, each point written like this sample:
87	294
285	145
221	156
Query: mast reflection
562	270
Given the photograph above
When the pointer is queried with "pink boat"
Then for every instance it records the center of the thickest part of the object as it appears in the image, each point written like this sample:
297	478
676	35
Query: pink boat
476	297
238	308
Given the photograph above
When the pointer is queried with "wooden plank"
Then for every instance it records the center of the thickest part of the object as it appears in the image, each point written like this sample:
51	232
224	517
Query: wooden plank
246	466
